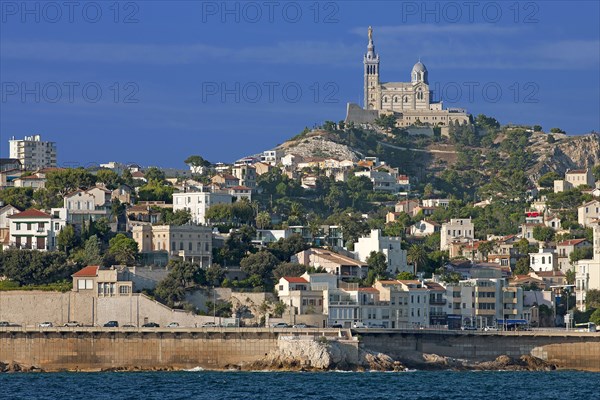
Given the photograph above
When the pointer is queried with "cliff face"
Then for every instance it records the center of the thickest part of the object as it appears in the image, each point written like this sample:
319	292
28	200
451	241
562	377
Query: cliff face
568	152
318	144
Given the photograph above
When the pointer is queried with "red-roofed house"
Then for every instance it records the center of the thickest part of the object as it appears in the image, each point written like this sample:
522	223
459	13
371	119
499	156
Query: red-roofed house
296	293
34	230
240	192
564	250
99	282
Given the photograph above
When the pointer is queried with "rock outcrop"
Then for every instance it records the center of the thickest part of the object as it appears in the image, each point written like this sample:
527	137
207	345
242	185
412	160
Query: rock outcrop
322	355
503	362
16	367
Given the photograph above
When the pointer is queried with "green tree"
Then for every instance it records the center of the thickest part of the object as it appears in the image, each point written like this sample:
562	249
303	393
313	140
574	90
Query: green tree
66	239
377	262
179	217
523	246
596	172
154	175
547	180
261	263
543	233
522	267
219	213
486	248
91	254
556	130
570	275
417	256
196	162
405	276
215	274
592	299
123	249
595	317
64	181
386	121
581	253
169	291
35	267
288	269
263	220
537	128
284	249
109	177
17	197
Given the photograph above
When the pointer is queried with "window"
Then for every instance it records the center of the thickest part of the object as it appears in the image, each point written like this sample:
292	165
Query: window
123	290
18	226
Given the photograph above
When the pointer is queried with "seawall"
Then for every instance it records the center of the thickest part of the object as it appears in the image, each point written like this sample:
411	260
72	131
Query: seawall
55	349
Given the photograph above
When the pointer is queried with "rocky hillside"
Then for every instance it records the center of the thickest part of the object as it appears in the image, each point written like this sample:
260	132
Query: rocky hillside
320	144
567	152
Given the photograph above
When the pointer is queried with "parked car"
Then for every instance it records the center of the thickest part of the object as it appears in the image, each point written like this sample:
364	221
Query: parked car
468	328
45	325
72	324
381	326
336	326
280	325
151	325
209	325
300	326
358	324
173	325
111	324
490	329
4	324
128	326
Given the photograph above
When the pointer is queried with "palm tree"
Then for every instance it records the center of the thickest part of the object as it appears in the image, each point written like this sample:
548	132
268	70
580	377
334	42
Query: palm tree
263	219
417	256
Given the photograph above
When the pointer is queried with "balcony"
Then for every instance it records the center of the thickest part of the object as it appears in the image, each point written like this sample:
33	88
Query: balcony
437	302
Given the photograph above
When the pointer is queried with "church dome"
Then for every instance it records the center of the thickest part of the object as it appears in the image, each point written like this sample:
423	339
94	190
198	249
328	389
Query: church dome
419	73
419	67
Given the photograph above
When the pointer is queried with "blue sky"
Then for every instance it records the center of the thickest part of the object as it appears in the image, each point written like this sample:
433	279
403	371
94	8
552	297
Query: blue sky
153	82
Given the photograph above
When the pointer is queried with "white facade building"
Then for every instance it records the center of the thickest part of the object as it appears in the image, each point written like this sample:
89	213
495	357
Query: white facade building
459	228
544	260
588	212
197	203
34	230
587	272
33	152
388	245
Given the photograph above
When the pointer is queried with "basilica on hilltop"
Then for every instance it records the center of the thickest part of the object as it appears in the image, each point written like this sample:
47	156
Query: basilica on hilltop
410	102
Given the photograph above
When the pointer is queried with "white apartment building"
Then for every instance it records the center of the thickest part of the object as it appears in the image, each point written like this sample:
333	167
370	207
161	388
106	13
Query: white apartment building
456	229
388	245
544	260
382	180
484	302
189	242
587	272
197	203
81	206
33	152
34	230
588	212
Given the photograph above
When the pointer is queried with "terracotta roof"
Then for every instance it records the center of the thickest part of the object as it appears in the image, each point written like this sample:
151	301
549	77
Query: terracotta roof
368	289
571	242
578	171
49	169
89	271
550	273
295	279
138	174
240	188
31	177
31	213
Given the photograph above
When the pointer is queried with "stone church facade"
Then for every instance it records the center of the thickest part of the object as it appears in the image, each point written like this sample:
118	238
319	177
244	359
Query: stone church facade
411	102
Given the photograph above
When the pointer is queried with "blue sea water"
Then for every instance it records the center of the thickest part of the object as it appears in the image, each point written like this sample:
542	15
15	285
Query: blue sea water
419	385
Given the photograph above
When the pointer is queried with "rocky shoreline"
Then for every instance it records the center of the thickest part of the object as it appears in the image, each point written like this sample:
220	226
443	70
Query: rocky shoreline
323	355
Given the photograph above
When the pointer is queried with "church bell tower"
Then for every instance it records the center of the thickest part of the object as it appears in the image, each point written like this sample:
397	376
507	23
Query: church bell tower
372	99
